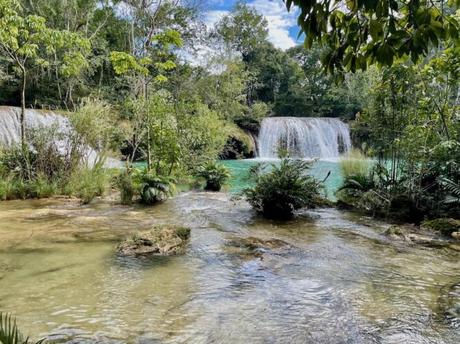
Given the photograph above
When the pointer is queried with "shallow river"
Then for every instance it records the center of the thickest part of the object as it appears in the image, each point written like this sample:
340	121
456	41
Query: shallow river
336	280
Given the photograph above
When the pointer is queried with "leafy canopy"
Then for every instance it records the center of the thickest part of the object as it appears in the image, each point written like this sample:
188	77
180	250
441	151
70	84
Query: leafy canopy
362	32
25	37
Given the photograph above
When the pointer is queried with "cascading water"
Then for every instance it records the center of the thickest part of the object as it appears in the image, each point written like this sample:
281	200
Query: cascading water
303	137
10	126
10	129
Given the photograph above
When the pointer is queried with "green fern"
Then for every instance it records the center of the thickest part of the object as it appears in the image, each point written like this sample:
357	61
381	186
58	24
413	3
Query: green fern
453	190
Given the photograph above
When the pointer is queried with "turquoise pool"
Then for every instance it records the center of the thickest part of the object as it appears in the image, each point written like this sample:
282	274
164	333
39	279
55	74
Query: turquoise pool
239	171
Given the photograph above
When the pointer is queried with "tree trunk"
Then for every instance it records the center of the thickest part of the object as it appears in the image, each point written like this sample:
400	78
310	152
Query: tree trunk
23	107
149	157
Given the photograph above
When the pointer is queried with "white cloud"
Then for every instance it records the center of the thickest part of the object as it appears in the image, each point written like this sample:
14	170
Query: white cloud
279	21
278	18
212	17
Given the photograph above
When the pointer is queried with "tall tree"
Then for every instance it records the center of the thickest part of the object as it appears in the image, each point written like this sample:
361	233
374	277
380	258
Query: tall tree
243	29
25	40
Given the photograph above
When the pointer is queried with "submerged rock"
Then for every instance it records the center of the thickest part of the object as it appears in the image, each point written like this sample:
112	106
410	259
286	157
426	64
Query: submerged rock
256	247
253	243
162	240
240	145
449	302
417	235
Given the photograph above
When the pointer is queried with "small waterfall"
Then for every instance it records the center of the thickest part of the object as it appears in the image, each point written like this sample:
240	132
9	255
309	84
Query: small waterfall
10	129
303	137
10	126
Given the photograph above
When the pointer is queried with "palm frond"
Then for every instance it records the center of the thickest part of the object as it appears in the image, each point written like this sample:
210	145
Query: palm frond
9	332
452	188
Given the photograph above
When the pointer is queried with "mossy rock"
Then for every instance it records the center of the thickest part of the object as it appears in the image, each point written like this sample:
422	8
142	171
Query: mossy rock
161	240
239	145
445	226
348	199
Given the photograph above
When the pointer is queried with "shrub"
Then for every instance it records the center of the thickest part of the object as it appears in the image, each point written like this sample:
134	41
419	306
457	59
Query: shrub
8	188
445	226
42	187
215	174
154	188
88	183
125	184
284	189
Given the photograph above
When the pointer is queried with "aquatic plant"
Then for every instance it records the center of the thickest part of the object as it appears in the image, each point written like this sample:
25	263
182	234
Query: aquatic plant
9	332
283	189
215	174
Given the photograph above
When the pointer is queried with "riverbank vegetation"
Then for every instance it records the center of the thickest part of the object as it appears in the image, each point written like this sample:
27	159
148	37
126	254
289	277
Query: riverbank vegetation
411	128
133	82
281	189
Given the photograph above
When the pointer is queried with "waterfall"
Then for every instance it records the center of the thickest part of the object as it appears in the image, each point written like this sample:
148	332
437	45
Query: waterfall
10	129
303	137
10	125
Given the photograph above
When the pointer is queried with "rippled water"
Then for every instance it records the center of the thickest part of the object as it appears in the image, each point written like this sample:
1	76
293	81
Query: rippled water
337	280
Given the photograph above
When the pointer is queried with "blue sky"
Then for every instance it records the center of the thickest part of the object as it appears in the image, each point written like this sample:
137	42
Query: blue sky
282	26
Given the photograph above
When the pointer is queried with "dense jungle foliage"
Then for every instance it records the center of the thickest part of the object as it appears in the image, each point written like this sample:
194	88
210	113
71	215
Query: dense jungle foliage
132	78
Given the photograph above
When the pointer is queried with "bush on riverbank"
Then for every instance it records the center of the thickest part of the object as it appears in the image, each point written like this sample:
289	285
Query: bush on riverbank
124	182
41	168
385	190
282	190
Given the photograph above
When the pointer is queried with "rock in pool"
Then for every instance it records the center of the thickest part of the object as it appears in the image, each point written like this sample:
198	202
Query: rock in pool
164	240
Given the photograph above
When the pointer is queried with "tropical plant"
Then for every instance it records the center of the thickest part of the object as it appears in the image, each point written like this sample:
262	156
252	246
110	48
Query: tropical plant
154	188
453	191
283	189
215	174
9	332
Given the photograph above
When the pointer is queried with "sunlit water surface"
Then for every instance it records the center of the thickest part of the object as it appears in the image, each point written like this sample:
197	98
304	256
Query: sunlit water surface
338	281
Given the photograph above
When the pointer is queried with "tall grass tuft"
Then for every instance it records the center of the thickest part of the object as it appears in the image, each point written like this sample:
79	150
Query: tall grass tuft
88	183
355	163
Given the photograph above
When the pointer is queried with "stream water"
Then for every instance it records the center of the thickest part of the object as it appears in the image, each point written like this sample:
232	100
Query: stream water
337	279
